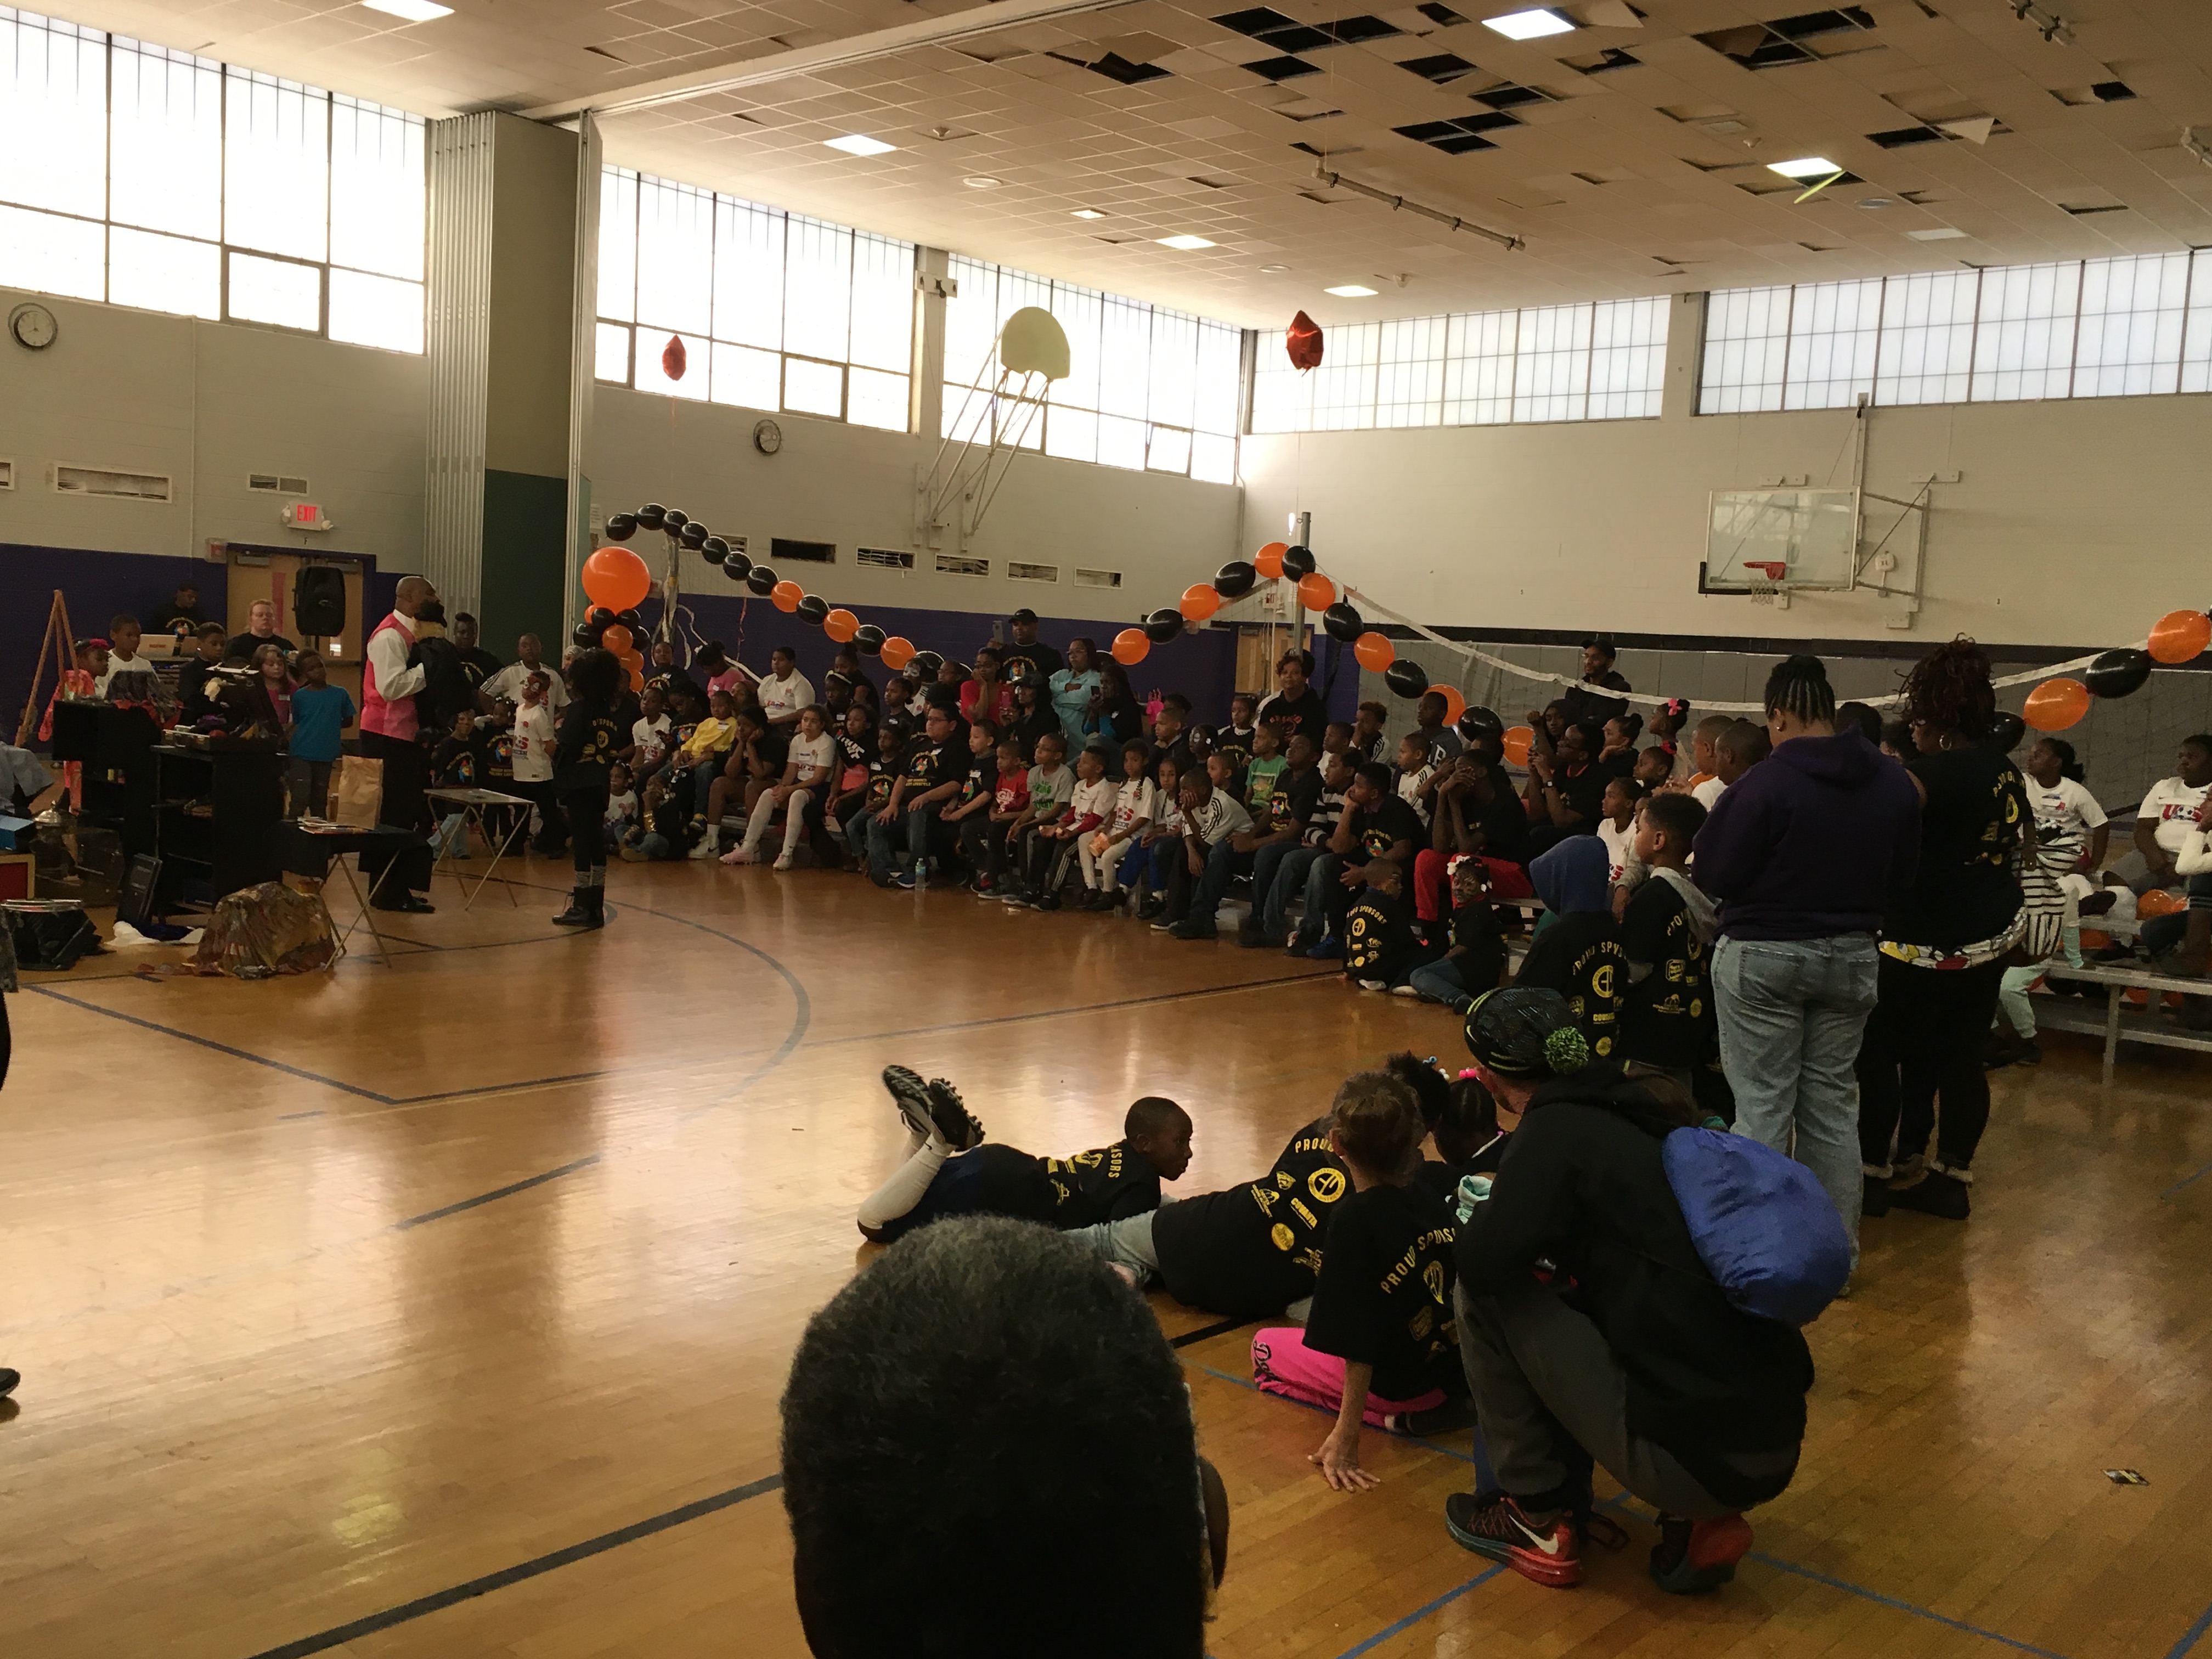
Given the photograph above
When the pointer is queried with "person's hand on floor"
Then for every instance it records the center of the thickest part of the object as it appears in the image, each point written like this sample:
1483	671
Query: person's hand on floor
1338	1460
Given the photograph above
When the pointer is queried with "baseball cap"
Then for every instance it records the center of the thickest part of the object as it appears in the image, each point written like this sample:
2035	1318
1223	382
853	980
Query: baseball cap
1023	615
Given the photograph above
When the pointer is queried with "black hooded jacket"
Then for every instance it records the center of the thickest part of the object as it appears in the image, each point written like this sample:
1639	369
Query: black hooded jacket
1581	1188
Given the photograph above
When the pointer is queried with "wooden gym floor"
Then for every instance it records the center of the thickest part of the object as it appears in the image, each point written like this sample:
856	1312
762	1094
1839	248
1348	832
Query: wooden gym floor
441	1309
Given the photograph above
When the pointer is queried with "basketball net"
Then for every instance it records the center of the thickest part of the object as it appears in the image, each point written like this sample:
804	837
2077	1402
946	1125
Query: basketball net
1765	579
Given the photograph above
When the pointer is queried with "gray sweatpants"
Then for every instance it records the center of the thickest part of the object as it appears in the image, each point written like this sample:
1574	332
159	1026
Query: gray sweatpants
1127	1243
1534	1365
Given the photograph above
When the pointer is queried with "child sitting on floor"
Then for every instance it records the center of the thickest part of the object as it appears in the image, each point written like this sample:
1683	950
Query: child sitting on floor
949	1170
1579	954
1380	945
621	804
1136	804
1380	1340
1474	960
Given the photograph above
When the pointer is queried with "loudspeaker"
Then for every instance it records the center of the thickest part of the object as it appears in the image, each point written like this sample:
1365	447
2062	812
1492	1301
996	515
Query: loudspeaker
318	605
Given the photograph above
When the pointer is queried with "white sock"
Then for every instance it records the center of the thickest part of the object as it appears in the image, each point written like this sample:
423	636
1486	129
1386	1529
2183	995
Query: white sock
908	1183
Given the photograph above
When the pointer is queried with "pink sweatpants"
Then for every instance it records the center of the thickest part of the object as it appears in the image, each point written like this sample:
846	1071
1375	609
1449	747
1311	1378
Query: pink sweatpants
1282	1364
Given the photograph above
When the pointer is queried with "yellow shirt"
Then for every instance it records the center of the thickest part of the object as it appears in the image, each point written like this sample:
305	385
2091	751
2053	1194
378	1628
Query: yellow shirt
707	738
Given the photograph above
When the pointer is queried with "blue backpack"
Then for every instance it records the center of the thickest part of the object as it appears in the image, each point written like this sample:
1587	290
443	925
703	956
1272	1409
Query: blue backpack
1765	1230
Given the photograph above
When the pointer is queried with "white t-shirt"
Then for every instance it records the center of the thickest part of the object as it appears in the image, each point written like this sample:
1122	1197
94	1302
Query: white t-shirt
651	738
815	756
787	696
1619	851
1222	814
2066	806
533	744
508	683
118	664
623	808
1093	800
1134	803
2174	804
1410	785
1707	793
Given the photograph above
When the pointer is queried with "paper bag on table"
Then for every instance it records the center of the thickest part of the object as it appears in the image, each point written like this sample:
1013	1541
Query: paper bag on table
356	791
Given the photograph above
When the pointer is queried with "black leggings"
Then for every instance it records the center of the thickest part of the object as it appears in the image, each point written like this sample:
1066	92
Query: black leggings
587	820
1922	1041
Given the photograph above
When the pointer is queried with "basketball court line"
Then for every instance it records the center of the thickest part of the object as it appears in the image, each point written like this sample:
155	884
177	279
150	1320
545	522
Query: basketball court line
2191	1636
2184	1181
508	1191
1084	1008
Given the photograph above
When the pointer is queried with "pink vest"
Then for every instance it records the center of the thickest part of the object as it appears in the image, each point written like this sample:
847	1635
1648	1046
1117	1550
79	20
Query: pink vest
391	719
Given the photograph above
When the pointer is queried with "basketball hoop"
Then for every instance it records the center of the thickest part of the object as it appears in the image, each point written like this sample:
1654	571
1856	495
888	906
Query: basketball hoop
1767	580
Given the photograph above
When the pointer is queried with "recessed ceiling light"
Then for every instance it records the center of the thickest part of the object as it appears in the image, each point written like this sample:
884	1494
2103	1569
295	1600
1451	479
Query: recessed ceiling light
1086	213
1351	291
1872	203
1532	25
982	181
1941	233
858	143
1805	166
1273	271
415	11
1185	242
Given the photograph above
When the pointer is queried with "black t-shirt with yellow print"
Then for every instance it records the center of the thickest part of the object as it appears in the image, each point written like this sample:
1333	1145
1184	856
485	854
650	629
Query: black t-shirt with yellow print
592	740
1667	1017
1107	1183
1384	1294
1579	955
1255	1249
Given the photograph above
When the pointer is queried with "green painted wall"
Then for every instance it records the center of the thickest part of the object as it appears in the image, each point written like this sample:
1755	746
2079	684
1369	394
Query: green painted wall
526	522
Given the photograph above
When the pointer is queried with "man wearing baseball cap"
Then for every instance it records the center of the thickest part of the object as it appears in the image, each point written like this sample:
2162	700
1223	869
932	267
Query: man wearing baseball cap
1027	655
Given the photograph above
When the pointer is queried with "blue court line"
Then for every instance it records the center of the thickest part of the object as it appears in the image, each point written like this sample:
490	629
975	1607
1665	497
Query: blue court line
1876	1597
2185	1180
508	1191
2189	1637
1419	1613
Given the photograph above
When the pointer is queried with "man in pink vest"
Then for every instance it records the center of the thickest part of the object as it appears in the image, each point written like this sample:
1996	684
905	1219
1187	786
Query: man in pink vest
388	686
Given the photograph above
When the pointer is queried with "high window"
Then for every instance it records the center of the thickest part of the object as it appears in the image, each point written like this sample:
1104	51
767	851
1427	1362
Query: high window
144	177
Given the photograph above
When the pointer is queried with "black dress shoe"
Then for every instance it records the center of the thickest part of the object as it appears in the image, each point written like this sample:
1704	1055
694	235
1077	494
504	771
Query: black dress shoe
412	904
7	1381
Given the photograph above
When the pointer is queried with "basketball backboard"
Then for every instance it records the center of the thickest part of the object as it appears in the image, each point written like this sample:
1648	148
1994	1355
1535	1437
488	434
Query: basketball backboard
1812	535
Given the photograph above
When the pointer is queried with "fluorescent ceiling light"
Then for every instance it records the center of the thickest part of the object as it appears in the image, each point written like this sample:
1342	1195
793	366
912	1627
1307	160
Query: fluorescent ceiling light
1528	25
1086	213
1941	233
857	143
1186	242
415	11
1806	166
1351	291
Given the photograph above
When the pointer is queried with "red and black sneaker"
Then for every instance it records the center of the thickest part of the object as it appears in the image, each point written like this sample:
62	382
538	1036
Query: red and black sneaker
1691	1556
1542	1544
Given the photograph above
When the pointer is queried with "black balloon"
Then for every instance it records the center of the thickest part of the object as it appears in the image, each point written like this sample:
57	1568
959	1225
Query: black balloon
622	526
1479	718
599	616
737	567
630	619
693	535
2116	673
1164	624
813	608
674	519
2008	730
649	516
1407	678
1298	562
585	635
869	640
714	550
926	663
762	578
1235	579
1343	623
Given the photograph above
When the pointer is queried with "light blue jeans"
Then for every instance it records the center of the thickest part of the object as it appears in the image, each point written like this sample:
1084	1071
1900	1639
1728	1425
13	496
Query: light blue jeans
2012	990
1440	981
1792	1015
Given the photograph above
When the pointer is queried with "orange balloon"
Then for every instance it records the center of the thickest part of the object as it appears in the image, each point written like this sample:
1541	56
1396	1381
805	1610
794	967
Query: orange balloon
1515	743
1316	591
786	596
617	639
2179	636
897	652
2159	902
1130	646
841	625
632	660
1268	560
616	577
1375	651
2056	704
1200	602
637	679
1455	704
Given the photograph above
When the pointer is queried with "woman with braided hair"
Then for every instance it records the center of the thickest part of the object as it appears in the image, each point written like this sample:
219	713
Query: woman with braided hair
1943	943
1591	1330
1805	851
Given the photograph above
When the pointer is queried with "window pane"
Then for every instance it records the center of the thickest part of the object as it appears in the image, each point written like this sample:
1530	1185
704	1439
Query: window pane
1071	434
376	311
1173	394
813	388
675	257
1628	359
168	172
2196	348
747	377
1282	397
1747	345
1213	460
378	183
1833	331
2131	317
49	254
653	355
1221	377
1410	375
1927	337
610	354
972	328
749	278
1125	346
275	291
53	117
883	305
1120	442
878	399
1170	450
276	166
165	273
1079	312
1344	385
817	299
966	415
618	244
2024	344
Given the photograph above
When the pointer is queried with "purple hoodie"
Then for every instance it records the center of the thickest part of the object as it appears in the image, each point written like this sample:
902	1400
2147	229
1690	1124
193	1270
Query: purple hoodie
1818	839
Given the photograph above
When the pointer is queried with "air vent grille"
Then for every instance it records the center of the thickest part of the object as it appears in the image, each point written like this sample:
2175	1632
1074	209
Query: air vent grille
789	552
121	486
884	558
951	564
1097	578
1032	572
276	483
